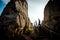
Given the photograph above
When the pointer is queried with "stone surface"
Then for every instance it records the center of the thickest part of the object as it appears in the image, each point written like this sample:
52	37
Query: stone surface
52	16
14	18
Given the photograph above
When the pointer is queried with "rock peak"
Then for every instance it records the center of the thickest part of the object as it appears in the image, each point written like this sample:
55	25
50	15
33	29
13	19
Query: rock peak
15	17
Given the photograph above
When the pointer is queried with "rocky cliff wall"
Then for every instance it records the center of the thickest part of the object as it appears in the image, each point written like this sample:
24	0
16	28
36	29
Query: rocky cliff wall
15	17
52	16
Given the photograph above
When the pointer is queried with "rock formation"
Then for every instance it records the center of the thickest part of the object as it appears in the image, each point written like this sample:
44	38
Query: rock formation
52	14
14	18
51	21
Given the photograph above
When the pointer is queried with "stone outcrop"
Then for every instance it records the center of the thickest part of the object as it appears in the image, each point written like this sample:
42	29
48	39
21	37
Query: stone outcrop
52	16
14	17
51	23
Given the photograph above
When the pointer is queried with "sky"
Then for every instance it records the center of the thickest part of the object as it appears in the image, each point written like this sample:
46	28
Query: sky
3	5
35	8
5	1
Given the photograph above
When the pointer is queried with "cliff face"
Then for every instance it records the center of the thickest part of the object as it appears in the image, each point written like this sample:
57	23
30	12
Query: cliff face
52	15
52	9
14	17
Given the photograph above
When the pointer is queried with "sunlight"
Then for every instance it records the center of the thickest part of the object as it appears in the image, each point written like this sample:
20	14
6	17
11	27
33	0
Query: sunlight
36	9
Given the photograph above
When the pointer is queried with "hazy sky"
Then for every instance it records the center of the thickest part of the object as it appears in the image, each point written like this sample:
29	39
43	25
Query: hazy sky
6	1
35	8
